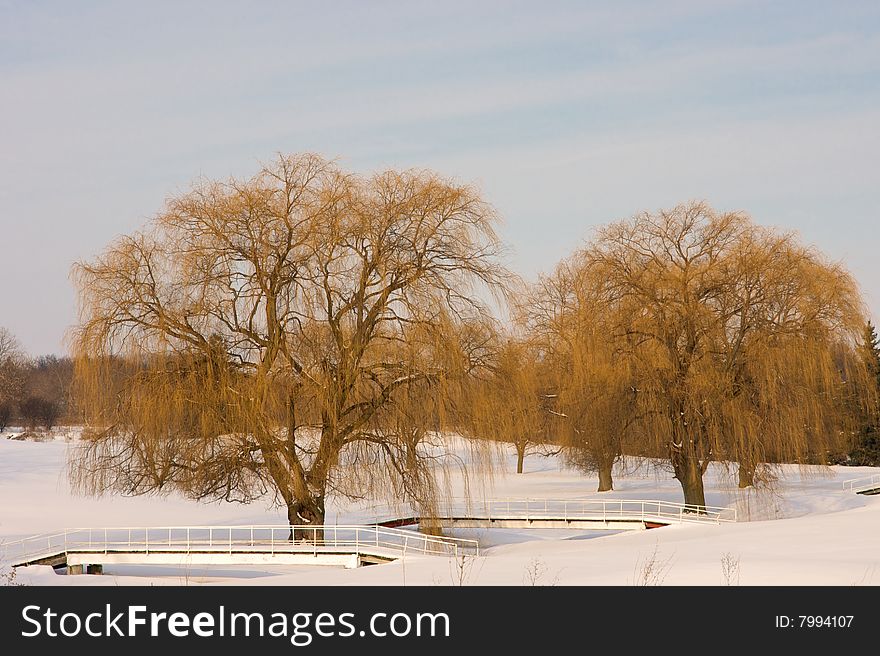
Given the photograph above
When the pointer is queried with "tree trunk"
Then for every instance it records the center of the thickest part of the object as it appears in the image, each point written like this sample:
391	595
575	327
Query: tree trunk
690	476
302	514
606	483
694	494
430	526
685	452
746	474
520	457
306	508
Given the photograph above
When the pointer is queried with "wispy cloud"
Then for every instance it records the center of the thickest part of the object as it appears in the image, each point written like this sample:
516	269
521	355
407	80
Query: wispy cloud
567	113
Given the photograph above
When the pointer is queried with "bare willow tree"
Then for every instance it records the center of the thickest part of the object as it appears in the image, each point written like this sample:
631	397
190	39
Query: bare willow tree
9	345
12	362
511	401
283	333
732	334
597	400
593	386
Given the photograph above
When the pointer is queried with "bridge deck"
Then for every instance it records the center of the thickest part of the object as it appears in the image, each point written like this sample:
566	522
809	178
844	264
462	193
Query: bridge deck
591	514
535	521
253	555
350	545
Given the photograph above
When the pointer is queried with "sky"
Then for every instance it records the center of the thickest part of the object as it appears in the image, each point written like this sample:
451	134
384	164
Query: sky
565	115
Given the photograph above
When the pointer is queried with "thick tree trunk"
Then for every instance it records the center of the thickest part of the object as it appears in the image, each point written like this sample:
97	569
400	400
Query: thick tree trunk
690	476
520	457
303	514
306	508
606	483
430	526
694	494
685	454
746	474
604	463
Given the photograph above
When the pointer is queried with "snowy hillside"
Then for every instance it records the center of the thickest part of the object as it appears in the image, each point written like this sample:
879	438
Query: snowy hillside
808	531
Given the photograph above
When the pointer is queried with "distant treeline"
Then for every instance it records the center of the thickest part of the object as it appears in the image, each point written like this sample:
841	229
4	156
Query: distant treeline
34	392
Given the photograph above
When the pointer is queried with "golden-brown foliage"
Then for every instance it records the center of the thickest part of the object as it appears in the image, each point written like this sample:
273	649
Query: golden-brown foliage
724	340
510	400
594	387
297	332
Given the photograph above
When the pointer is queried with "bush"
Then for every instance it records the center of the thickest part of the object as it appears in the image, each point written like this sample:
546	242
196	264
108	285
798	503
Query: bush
5	414
37	411
867	452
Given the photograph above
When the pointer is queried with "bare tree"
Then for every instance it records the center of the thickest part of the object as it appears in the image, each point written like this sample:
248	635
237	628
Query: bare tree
732	334
9	346
5	414
594	404
36	389
729	569
282	332
653	569
12	359
49	376
537	573
12	379
510	402
597	401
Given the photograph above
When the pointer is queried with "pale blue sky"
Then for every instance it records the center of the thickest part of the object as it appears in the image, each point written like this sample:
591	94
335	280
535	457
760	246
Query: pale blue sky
566	115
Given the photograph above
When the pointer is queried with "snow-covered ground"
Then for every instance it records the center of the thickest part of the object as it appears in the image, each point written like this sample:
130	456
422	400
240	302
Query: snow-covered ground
808	531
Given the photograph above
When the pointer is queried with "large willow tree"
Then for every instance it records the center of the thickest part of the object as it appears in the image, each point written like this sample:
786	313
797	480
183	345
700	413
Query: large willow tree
297	332
738	341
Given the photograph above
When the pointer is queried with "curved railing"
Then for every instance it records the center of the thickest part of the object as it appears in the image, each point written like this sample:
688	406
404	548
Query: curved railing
357	538
271	539
666	512
862	484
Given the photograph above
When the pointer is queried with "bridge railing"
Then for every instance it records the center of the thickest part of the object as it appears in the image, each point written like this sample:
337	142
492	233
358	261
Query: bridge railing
864	483
610	509
235	539
572	509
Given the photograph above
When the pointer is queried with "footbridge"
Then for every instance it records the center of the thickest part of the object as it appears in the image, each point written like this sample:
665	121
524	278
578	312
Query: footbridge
867	485
87	550
588	514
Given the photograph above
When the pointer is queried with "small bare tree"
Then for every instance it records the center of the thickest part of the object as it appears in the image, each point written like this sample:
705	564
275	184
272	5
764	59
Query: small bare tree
461	569
729	569
652	571
8	577
538	573
283	333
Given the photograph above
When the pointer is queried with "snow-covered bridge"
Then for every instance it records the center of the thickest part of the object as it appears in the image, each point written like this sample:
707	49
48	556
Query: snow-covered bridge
588	514
867	485
89	549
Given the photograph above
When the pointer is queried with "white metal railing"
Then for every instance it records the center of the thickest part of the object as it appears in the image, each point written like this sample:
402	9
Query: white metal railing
864	483
270	539
573	509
